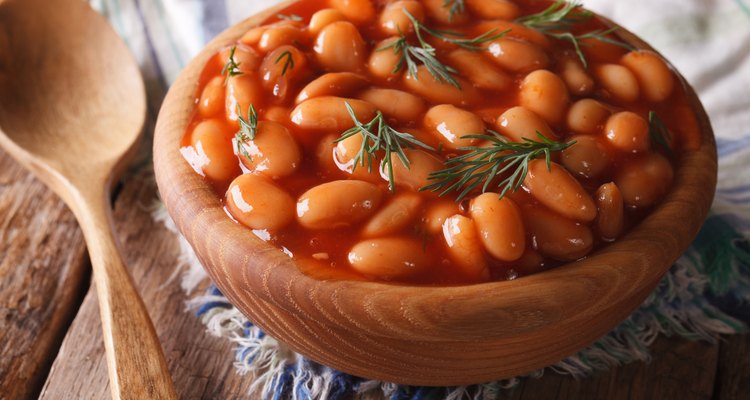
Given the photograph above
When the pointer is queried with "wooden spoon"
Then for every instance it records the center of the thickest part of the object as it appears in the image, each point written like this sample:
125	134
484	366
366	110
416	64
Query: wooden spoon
72	107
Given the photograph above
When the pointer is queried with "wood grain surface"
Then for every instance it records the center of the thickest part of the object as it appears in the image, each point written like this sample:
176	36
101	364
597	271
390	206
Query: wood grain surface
200	364
43	276
427	335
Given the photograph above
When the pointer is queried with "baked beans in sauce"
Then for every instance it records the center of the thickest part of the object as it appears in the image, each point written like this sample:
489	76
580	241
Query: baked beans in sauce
294	184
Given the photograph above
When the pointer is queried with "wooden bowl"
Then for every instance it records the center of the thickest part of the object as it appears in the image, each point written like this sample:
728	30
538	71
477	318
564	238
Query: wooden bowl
427	335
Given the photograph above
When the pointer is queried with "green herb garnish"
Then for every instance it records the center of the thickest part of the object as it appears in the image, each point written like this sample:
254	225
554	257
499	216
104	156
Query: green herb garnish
248	129
481	165
411	55
660	135
378	136
456	7
231	67
288	64
557	20
559	15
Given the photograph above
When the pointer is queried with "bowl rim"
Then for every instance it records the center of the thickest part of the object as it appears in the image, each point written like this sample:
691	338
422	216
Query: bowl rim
263	271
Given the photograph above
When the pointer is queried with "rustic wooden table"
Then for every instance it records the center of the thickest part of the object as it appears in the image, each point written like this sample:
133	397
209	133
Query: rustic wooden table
50	338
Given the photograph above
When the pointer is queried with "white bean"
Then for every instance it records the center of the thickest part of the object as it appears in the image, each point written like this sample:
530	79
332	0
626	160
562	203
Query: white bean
557	189
437	10
332	84
393	19
500	226
241	91
338	204
211	102
389	258
464	248
618	81
610	221
588	157
212	154
556	236
358	11
421	165
655	79
645	180
517	55
340	47
323	18
628	132
477	68
277	74
450	123
383	60
402	106
394	216
279	35
330	113
519	123
424	84
545	94
576	77
257	203
343	157
437	212
587	116
273	153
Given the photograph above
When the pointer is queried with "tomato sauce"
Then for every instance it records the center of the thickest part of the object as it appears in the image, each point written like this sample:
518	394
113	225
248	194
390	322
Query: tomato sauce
327	253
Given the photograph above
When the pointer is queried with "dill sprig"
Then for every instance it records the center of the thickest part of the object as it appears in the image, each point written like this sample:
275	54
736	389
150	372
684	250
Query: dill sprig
231	67
456	7
378	136
248	129
557	20
559	15
659	133
480	165
289	17
412	55
288	64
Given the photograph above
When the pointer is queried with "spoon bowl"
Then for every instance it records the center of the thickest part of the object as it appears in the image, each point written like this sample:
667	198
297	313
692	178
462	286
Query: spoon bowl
71	93
72	108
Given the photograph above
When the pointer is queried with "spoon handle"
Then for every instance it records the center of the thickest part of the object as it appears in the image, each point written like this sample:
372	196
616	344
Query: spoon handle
135	360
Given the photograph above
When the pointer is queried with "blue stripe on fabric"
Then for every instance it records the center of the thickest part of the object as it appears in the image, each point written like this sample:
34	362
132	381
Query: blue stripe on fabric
726	147
214	304
734	198
215	18
341	385
283	383
151	49
420	394
734	189
303	370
